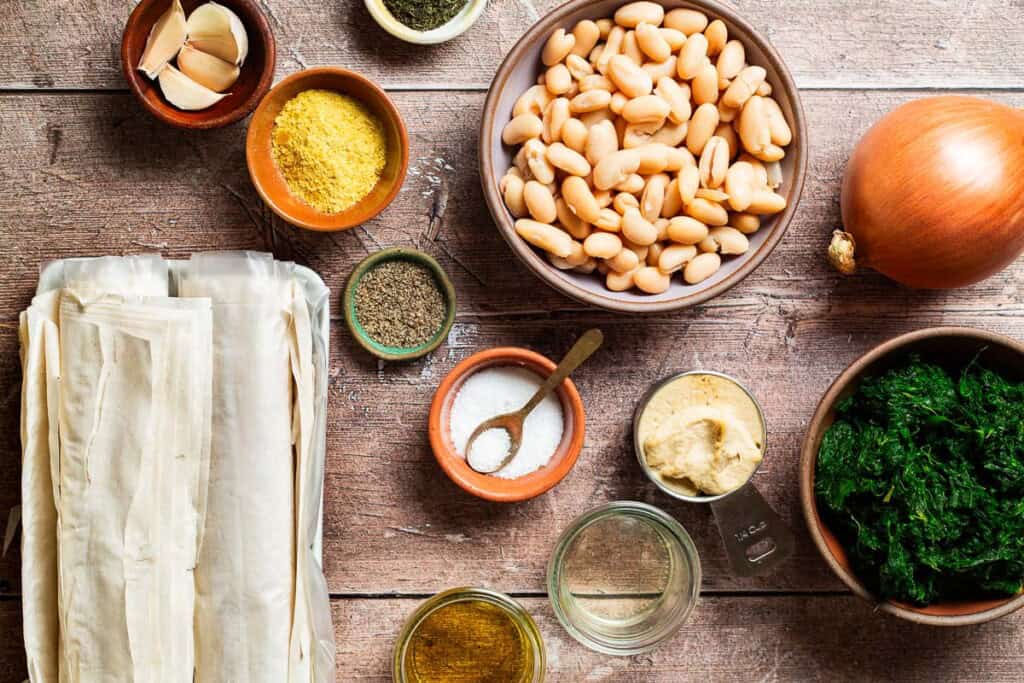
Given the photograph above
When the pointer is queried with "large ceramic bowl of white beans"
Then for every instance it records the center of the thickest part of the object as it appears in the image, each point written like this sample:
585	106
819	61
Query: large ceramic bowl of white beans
642	156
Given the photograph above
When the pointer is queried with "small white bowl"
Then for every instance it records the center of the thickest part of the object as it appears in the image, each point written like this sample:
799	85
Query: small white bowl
458	24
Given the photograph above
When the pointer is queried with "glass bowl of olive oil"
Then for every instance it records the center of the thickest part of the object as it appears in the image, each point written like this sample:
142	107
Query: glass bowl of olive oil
624	578
469	635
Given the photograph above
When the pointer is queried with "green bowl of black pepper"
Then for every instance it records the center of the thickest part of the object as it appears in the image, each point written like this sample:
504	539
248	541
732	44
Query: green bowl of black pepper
912	476
399	304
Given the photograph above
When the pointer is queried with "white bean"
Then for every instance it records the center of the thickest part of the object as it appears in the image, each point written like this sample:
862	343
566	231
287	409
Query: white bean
653	44
675	256
586	34
522	128
651	280
633	14
638	229
512	187
740	185
629	77
565	159
580	199
615	168
602	245
546	237
539	202
701	268
729	240
559	45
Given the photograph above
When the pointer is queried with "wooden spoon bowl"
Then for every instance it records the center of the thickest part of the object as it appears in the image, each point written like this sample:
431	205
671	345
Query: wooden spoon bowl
954	347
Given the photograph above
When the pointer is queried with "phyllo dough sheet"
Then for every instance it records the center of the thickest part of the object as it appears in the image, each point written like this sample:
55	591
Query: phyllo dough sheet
253	611
131	453
40	359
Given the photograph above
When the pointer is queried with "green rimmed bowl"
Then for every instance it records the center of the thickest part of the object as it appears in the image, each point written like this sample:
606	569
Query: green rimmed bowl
397	353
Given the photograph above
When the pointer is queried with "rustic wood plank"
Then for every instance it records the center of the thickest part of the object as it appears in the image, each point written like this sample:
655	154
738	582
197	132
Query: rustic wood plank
805	639
118	183
879	44
784	638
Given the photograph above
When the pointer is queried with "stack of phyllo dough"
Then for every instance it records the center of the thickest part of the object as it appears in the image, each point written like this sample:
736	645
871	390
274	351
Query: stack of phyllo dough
172	431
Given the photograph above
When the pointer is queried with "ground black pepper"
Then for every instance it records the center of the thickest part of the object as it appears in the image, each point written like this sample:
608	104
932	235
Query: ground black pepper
399	304
424	15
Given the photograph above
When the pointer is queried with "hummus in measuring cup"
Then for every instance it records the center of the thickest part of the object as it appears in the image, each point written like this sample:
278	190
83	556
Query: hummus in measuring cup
702	434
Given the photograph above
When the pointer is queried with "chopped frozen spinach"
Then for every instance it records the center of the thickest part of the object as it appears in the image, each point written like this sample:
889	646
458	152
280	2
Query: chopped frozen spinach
921	477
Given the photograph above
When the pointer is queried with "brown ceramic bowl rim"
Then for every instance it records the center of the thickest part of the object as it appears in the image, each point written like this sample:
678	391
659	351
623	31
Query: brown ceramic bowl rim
494	488
348	218
990	609
244	108
525	49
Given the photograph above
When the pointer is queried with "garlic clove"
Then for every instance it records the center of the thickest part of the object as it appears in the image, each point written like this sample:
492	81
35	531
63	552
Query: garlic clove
218	31
165	39
184	93
207	70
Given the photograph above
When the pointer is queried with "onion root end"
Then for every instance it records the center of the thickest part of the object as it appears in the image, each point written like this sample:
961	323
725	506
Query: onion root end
841	252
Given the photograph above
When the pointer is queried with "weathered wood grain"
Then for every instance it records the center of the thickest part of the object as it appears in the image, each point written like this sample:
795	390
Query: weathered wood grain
805	639
92	174
808	639
879	44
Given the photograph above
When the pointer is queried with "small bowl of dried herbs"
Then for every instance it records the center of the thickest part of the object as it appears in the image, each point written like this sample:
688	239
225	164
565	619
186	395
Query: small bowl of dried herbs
426	22
399	304
912	476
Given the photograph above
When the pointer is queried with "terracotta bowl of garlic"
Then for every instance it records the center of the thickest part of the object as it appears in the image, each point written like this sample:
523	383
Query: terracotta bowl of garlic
196	64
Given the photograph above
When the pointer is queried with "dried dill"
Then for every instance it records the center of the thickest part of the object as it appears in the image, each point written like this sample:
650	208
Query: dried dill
399	304
424	15
921	477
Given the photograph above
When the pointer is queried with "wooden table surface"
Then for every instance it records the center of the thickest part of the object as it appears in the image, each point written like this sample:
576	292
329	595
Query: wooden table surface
86	171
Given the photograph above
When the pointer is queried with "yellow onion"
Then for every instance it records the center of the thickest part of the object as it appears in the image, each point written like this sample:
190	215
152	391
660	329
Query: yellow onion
933	196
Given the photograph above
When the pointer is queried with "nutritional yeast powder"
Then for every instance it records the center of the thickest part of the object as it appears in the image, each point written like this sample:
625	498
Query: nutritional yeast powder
330	148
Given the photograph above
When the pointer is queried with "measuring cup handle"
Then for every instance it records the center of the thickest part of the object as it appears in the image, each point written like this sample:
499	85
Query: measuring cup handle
756	539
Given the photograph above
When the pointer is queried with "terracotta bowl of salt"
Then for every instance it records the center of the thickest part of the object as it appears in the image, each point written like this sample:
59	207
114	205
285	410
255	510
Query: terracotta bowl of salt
444	434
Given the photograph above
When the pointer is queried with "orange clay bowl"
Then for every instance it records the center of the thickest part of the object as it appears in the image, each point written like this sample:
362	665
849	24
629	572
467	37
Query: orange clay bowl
952	346
271	184
495	488
257	73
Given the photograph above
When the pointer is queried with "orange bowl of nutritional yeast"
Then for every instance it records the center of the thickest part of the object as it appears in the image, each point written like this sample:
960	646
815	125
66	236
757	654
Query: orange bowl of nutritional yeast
489	486
327	149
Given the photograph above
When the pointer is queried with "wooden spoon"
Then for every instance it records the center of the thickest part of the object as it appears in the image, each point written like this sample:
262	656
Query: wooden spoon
512	423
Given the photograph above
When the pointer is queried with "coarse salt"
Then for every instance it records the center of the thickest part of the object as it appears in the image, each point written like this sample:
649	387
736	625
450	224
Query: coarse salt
495	391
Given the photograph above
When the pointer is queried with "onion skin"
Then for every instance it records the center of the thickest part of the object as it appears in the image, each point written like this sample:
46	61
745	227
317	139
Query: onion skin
933	195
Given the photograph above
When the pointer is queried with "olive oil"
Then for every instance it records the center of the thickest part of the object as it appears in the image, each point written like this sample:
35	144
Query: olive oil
469	641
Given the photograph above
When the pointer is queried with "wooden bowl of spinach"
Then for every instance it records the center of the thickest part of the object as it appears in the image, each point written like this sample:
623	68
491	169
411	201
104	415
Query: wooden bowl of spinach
912	476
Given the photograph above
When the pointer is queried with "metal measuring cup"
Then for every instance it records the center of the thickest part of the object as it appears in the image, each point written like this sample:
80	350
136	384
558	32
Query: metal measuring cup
755	537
